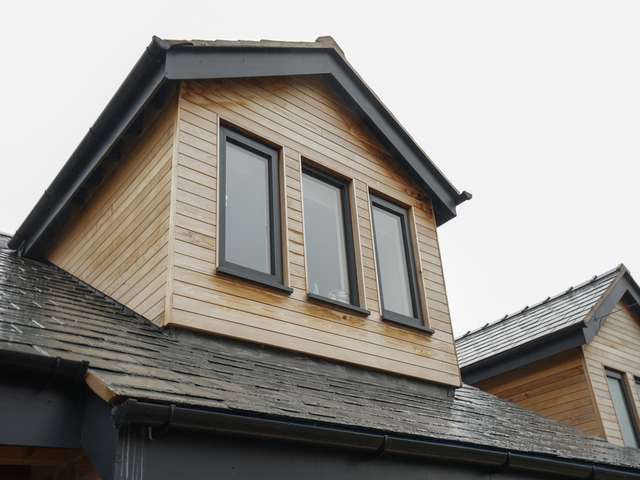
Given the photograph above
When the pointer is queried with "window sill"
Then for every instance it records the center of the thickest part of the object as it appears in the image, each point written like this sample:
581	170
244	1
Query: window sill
343	306
407	322
238	273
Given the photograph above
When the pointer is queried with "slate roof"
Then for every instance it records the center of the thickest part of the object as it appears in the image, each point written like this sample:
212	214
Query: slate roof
535	322
46	311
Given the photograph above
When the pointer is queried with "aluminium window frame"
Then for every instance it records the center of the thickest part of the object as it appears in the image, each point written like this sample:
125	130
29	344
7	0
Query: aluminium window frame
275	279
628	400
636	384
418	320
343	184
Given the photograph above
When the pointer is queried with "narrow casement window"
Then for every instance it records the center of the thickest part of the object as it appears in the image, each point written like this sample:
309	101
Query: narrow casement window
622	407
396	264
250	235
331	266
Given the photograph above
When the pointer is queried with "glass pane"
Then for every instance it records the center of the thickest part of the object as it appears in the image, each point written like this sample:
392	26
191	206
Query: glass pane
392	262
325	240
622	412
247	223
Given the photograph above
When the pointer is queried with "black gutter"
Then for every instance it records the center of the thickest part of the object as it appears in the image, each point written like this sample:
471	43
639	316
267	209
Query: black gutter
143	81
24	362
165	417
565	339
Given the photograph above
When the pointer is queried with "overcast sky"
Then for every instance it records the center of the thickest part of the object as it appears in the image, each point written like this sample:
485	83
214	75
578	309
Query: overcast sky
534	107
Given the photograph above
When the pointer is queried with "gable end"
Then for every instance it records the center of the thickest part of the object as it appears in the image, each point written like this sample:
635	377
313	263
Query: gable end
165	61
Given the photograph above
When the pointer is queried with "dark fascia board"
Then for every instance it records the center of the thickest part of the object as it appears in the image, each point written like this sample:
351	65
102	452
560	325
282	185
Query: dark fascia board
40	408
571	337
523	355
165	417
165	61
623	288
25	362
188	63
136	91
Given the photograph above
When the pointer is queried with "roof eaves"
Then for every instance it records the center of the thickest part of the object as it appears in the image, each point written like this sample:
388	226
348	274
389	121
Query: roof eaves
579	332
529	308
142	82
375	442
571	336
39	302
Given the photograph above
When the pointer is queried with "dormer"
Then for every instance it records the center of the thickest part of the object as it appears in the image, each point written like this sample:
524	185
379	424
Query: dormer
574	357
260	191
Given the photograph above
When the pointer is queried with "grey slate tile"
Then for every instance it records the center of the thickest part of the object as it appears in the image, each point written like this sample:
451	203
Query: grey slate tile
563	310
137	359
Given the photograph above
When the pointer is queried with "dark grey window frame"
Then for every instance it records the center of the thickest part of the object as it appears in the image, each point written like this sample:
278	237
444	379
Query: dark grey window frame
352	265
611	373
418	321
275	278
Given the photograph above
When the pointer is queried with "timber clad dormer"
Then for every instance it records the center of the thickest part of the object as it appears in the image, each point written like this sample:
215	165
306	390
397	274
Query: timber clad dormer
574	357
273	208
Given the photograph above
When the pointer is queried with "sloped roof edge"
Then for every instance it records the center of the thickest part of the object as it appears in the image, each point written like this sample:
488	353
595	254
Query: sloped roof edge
48	317
624	286
167	60
580	332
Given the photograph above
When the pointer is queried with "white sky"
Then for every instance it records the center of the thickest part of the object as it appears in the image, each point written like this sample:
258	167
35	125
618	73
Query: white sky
534	107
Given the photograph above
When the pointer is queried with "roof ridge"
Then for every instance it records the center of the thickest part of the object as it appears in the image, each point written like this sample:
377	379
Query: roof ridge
321	42
571	289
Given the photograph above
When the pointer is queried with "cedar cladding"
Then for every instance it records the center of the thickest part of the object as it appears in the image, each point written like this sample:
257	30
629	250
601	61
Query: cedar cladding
616	346
118	242
556	387
161	260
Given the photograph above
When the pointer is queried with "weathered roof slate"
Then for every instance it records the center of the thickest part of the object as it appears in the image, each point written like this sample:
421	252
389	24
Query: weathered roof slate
535	322
45	311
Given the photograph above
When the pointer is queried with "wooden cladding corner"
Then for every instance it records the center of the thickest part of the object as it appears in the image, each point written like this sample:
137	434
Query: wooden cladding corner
118	242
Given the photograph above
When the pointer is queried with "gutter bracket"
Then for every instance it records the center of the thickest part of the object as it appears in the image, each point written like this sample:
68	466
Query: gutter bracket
505	466
53	376
164	429
379	451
